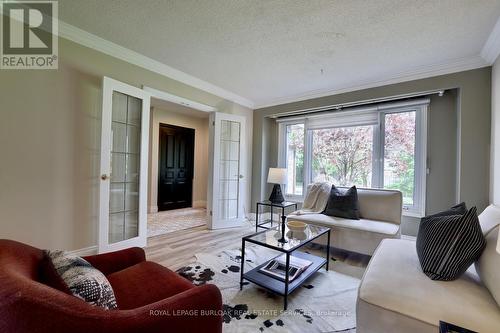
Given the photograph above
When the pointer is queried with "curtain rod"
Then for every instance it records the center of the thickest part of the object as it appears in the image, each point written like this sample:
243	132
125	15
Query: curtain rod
340	106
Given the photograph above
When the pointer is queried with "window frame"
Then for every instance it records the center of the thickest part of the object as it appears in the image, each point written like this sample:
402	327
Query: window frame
363	116
283	158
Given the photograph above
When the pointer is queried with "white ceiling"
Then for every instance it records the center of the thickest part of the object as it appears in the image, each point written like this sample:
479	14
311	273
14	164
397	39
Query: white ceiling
271	52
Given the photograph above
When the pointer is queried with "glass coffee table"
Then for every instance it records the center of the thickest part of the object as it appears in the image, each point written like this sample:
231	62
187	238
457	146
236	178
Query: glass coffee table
295	240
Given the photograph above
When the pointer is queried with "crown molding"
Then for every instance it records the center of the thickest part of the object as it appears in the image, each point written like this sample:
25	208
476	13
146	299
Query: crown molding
491	48
92	41
417	73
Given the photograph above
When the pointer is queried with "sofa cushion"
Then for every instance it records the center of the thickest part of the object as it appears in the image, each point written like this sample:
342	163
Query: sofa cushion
380	205
83	280
489	218
394	282
448	245
361	224
146	283
343	203
488	265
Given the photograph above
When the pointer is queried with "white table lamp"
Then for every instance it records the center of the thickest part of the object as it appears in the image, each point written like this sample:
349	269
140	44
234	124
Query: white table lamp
277	176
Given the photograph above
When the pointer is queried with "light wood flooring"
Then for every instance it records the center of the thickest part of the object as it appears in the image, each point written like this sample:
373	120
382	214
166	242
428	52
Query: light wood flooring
177	249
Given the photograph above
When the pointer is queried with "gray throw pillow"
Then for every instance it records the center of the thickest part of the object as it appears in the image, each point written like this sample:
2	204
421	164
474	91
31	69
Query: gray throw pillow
343	204
83	280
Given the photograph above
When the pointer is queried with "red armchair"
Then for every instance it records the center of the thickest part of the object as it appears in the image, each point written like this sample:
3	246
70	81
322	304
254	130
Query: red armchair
150	297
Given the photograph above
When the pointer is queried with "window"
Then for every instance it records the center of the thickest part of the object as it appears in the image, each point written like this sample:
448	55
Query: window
399	154
343	155
381	146
295	159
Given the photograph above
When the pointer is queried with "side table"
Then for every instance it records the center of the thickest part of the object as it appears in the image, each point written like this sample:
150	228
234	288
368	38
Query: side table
281	205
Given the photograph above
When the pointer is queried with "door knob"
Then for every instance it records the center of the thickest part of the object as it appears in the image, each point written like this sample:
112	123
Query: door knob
241	176
104	177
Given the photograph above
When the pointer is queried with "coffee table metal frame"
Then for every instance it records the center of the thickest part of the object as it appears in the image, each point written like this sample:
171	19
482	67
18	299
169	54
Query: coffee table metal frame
283	288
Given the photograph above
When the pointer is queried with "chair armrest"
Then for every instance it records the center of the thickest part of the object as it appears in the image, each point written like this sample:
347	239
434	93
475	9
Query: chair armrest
112	262
52	311
199	307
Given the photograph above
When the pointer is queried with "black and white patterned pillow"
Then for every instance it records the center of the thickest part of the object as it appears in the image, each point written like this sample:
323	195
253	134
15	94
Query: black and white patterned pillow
447	245
83	280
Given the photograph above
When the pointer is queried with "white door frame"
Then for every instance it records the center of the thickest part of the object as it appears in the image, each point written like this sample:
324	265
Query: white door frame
108	86
214	221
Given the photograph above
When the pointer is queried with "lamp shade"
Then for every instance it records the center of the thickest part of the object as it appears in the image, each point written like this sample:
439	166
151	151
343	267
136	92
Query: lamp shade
277	176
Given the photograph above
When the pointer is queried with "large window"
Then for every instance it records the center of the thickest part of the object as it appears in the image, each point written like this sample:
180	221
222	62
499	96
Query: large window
382	146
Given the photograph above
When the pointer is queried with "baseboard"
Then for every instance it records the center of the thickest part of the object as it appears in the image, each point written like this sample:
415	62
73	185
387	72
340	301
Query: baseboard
199	204
86	251
153	209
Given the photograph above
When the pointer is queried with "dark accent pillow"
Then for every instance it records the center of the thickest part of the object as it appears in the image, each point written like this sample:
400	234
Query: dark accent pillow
448	245
83	280
459	209
343	204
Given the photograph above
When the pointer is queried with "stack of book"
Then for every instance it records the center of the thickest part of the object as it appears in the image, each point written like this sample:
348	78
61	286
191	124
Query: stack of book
276	267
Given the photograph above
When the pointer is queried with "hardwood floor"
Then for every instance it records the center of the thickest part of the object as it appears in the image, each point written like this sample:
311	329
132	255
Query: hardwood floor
177	249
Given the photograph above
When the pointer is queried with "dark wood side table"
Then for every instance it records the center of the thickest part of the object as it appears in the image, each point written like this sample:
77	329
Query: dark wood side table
281	205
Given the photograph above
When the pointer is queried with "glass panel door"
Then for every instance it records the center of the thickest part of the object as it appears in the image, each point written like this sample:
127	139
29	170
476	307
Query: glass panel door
124	140
227	142
229	169
124	172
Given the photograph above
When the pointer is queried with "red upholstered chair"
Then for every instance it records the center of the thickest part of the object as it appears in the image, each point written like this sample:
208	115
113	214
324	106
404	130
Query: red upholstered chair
150	297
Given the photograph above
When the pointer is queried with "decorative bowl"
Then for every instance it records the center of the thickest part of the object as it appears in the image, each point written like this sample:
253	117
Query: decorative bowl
296	226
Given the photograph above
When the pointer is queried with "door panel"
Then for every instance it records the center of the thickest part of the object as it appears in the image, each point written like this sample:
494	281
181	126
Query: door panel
124	143
228	174
175	181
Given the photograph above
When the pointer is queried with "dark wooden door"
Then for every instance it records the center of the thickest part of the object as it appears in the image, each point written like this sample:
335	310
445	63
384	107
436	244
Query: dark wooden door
175	181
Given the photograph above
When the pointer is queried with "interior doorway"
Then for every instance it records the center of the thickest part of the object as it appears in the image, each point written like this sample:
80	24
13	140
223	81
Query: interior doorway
176	167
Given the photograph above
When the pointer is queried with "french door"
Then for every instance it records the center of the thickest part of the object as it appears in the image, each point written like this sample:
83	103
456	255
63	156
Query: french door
124	161
227	170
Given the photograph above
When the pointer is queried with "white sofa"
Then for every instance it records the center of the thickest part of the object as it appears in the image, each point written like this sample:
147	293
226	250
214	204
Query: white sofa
380	218
396	296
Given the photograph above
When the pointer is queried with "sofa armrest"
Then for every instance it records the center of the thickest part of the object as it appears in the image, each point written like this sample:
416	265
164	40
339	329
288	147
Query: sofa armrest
112	262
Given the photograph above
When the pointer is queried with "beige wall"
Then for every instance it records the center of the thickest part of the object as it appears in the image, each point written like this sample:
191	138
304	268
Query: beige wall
467	108
495	133
50	144
200	126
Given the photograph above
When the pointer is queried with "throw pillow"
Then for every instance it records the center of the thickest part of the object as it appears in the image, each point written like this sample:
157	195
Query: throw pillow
83	280
343	204
50	276
459	209
448	245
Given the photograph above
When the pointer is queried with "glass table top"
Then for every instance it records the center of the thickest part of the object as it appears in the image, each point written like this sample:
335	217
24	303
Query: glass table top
277	204
295	239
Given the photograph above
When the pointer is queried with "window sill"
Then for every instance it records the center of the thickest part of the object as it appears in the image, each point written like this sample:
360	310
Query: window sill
413	214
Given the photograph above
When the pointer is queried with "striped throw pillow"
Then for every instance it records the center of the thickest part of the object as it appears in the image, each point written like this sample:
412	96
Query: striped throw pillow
448	245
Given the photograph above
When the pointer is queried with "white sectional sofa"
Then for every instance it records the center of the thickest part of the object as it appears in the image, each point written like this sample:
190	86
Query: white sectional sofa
380	212
396	296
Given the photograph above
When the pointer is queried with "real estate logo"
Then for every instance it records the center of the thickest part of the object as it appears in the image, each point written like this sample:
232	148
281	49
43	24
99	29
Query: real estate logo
29	35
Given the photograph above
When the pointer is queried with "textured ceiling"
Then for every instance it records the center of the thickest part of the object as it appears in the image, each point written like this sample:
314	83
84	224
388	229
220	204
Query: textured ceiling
269	51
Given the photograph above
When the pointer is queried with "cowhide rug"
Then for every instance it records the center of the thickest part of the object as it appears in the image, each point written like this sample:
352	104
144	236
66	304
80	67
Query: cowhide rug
326	302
